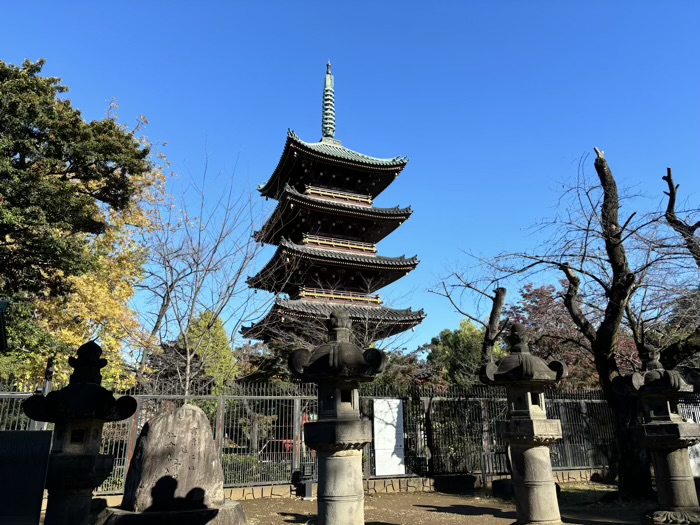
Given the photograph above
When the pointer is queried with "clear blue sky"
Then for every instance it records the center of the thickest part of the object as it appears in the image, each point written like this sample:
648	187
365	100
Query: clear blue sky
493	101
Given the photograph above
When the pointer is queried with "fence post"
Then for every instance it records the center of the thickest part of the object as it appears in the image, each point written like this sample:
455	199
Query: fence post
131	440
296	432
486	455
564	443
220	426
590	446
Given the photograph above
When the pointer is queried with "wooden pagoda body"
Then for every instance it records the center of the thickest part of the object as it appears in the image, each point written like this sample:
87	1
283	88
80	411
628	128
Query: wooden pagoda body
326	228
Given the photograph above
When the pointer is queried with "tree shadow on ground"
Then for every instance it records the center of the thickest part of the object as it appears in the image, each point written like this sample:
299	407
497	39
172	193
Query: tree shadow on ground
600	517
294	517
312	520
469	510
567	517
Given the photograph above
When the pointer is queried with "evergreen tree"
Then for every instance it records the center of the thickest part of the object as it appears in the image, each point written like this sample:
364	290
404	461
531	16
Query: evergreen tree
454	356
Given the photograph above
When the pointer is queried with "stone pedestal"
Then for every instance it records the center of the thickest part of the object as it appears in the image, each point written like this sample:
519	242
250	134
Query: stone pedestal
231	513
667	436
70	482
675	485
338	444
531	468
341	498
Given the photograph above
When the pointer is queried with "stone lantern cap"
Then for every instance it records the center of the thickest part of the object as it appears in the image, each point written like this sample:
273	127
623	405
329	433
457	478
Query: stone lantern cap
338	360
521	367
657	382
84	397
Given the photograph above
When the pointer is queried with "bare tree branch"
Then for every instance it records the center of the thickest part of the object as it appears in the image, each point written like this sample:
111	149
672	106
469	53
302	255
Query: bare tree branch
687	231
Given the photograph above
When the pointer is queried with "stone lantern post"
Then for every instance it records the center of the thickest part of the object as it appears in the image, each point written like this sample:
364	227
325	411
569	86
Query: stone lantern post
528	432
667	435
339	434
78	411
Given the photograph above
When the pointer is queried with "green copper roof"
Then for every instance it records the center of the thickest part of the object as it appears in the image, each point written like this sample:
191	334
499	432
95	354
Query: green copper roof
334	150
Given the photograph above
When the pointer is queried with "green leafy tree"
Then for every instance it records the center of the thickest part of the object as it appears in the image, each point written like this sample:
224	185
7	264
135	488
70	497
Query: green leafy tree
454	356
404	369
200	360
64	184
59	177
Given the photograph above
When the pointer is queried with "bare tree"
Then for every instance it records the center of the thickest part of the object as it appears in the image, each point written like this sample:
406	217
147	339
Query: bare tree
198	262
625	282
606	261
681	326
684	228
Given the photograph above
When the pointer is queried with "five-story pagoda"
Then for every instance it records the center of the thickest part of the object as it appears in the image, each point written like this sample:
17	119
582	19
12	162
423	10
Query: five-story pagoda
326	228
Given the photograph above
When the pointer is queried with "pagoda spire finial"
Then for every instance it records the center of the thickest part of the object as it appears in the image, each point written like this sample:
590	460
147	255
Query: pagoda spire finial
328	117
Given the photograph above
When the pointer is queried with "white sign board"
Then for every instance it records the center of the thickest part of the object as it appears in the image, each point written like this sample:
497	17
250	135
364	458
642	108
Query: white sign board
388	437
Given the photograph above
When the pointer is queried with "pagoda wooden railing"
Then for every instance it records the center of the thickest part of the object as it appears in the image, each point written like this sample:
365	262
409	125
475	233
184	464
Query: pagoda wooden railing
366	247
355	198
318	293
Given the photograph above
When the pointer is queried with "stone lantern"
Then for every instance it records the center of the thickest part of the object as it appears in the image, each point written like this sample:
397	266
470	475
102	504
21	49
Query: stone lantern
339	434
667	435
78	412
528	432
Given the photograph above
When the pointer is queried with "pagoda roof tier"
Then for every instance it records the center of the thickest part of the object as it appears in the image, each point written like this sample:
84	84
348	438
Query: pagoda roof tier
301	317
295	265
298	214
329	164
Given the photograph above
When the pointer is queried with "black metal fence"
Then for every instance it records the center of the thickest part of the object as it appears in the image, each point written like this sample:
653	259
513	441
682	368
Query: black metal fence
258	429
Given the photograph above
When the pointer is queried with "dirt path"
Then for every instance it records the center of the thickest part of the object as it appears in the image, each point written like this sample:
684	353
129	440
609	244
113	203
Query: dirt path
435	508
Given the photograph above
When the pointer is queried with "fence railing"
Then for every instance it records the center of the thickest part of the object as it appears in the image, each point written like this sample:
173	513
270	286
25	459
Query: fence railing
258	429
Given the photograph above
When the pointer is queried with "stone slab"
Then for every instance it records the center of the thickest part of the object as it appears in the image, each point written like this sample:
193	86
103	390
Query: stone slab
175	465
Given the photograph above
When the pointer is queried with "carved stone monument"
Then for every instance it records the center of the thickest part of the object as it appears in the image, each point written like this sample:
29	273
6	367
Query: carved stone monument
79	412
667	435
175	475
528	432
339	434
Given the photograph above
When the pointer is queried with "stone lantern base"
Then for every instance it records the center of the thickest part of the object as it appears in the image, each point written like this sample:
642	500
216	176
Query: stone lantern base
531	469
70	482
672	517
668	443
339	443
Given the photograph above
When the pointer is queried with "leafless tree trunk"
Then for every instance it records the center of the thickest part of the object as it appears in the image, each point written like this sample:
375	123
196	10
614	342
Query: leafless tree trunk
604	338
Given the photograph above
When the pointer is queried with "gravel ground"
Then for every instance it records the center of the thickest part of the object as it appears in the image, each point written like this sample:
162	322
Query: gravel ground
579	505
